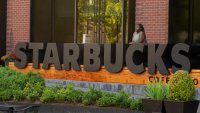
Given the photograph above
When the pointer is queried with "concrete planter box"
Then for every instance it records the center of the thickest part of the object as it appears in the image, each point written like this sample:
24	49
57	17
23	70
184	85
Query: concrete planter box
153	106
181	107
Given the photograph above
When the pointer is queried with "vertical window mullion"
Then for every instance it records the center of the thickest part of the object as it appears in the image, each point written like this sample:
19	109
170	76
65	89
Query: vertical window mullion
124	6
76	21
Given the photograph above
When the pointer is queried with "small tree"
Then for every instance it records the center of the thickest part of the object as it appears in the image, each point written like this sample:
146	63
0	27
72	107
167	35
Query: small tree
181	87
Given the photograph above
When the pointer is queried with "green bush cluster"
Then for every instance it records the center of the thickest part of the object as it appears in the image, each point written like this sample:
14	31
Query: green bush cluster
48	95
74	95
181	87
107	100
17	86
136	104
62	94
91	96
120	99
30	86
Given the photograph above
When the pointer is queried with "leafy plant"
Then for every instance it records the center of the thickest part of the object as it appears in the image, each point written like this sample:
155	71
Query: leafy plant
106	100
33	96
33	91
73	95
5	95
122	99
34	78
60	95
48	95
18	95
155	91
136	104
18	85
9	57
20	80
181	87
91	96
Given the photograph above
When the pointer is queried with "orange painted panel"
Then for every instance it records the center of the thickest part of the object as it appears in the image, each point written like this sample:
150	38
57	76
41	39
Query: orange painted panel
125	76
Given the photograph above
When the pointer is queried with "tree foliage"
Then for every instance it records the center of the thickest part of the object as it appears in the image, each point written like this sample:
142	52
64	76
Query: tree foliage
110	13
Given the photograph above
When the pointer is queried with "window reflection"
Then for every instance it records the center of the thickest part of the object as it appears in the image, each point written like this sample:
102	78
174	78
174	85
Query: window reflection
99	21
196	33
52	21
179	24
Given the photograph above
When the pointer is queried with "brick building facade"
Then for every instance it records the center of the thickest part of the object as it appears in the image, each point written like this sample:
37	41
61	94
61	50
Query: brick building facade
18	22
153	14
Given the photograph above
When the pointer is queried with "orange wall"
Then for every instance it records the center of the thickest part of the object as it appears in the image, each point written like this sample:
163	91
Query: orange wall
125	76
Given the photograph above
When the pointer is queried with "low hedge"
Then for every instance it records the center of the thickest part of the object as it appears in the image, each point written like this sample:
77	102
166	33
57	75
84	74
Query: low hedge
31	86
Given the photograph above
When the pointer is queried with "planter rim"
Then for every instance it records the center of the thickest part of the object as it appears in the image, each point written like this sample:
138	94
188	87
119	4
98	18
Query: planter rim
151	99
180	101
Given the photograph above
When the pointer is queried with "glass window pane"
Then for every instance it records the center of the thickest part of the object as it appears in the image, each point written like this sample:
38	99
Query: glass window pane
64	21
178	23
196	33
41	21
100	21
87	21
112	21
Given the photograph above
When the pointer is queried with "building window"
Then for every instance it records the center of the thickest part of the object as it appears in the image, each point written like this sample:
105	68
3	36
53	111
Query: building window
184	21
100	21
3	10
52	21
79	21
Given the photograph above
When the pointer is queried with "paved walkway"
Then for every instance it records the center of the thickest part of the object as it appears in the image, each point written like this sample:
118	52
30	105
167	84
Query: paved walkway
63	108
81	109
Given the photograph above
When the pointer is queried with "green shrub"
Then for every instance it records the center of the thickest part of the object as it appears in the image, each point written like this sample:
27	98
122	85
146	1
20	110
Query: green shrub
20	80
33	96
73	95
181	87
136	104
121	99
6	71
34	78
60	95
33	91
106	100
155	91
5	83
48	95
91	96
18	95
5	95
31	83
